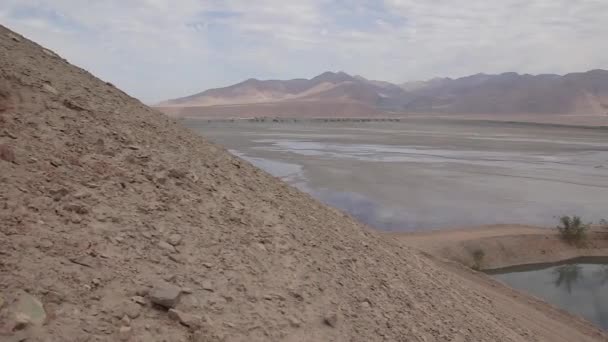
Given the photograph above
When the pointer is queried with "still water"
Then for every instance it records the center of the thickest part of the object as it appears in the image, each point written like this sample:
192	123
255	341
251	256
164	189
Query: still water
580	287
416	174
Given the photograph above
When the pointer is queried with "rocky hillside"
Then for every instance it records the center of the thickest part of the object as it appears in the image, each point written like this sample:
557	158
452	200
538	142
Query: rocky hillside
509	93
116	224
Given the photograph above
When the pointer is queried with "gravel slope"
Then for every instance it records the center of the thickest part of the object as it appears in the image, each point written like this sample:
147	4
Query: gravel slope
107	206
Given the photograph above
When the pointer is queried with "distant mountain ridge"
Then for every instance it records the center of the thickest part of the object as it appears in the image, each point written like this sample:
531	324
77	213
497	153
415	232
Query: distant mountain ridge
506	93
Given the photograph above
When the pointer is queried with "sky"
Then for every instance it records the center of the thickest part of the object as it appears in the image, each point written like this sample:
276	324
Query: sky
160	49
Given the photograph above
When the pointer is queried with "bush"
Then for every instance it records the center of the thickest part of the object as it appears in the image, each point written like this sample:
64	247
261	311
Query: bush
603	224
478	255
572	229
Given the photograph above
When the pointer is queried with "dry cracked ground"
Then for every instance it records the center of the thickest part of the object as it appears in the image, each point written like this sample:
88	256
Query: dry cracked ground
116	224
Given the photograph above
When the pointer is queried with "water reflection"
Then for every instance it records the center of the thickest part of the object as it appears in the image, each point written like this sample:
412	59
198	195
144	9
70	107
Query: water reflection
579	287
566	276
365	209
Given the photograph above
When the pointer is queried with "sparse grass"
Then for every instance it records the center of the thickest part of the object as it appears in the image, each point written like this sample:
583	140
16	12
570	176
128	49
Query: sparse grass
572	229
478	256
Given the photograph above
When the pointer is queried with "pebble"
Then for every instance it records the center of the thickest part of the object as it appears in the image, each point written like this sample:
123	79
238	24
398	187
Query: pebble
10	135
49	53
166	246
124	333
166	296
7	154
206	285
331	320
46	243
48	88
139	300
294	322
14	37
174	239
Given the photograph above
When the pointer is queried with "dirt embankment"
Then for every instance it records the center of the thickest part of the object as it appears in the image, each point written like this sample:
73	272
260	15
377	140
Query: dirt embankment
499	246
117	224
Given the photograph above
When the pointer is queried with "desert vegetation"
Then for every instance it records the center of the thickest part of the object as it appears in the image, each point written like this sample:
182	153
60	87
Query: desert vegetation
478	256
572	229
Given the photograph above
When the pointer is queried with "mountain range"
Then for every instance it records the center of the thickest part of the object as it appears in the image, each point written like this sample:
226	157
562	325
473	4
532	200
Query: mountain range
340	94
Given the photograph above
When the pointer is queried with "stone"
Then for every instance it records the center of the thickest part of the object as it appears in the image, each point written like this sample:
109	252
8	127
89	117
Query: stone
189	320
49	89
207	286
132	310
28	310
166	246
14	37
178	174
166	296
142	291
174	239
49	53
7	154
45	243
126	320
124	333
139	300
9	134
331	320
294	322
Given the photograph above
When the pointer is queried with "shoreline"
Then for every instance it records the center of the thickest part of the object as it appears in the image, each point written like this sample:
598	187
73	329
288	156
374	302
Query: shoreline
504	246
585	122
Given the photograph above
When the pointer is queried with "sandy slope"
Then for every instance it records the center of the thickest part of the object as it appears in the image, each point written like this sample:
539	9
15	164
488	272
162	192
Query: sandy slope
103	198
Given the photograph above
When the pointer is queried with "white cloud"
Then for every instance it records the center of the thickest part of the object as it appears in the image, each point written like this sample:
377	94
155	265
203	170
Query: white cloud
157	49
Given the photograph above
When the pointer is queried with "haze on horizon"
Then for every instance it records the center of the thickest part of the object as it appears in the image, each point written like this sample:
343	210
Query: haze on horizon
159	49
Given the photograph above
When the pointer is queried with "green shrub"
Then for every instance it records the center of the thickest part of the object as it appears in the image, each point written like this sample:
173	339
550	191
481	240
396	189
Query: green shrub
478	255
572	229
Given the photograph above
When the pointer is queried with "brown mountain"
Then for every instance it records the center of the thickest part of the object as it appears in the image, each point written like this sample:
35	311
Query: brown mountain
341	94
511	93
329	94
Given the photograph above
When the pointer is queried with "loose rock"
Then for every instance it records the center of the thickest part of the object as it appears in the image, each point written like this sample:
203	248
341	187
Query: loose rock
174	239
166	296
139	300
207	285
132	310
28	310
7	154
166	246
191	321
124	333
50	89
331	320
14	37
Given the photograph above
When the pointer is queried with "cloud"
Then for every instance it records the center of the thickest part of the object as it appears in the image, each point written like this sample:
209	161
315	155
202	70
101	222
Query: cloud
157	49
